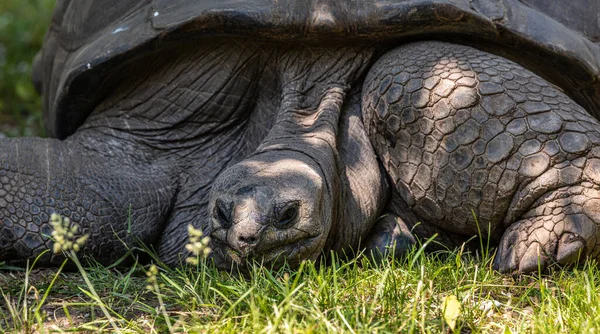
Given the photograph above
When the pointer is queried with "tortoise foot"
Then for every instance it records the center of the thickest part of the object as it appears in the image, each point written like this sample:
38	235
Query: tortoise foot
564	238
391	236
523	251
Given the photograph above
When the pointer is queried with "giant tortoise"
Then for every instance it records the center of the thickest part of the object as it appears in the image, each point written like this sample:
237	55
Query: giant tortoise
287	129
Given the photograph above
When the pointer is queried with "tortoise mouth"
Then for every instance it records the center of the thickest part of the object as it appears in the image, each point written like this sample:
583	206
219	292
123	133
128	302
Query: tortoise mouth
274	257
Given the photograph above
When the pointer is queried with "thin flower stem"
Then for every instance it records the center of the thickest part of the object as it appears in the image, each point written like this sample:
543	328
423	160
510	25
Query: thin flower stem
74	258
162	307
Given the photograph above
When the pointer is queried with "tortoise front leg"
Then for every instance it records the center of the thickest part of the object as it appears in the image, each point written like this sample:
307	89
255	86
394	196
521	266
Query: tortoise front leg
391	235
399	229
99	182
461	130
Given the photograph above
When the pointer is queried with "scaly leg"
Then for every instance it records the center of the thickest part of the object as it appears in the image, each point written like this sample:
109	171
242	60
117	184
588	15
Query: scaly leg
461	130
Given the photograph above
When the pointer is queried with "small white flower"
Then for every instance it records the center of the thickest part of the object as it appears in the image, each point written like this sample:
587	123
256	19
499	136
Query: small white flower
197	245
64	234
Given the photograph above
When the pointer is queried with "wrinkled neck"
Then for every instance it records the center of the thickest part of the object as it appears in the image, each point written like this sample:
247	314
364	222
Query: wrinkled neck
314	85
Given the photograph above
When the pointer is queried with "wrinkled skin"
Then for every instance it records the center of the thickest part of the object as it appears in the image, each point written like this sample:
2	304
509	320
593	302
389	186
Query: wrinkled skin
284	152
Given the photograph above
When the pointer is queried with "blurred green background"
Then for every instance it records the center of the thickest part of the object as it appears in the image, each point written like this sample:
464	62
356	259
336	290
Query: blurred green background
23	24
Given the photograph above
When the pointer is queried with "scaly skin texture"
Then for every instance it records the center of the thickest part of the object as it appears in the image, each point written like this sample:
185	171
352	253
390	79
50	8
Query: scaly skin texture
76	179
459	129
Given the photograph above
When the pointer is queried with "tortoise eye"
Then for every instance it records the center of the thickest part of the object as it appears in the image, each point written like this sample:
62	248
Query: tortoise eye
289	215
222	214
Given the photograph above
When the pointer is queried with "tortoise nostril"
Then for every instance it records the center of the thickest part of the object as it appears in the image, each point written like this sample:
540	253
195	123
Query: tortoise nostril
250	240
244	235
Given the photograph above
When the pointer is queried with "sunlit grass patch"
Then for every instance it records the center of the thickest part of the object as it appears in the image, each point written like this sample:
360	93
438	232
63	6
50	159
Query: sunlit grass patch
345	296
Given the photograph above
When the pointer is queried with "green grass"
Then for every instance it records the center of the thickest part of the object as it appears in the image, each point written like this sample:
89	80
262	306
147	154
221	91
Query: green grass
353	296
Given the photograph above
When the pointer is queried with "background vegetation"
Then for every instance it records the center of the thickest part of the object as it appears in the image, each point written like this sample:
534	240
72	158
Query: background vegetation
23	24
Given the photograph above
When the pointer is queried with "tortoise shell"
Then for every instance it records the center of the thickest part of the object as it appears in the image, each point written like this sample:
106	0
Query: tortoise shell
89	41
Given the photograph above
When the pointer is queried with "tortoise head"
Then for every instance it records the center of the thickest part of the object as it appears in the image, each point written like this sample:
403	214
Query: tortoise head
271	208
282	202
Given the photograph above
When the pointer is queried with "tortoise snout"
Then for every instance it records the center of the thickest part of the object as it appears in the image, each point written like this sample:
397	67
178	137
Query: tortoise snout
244	236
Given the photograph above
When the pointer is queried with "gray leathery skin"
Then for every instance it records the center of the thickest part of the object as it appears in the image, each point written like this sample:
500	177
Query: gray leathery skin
154	147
